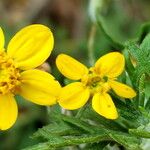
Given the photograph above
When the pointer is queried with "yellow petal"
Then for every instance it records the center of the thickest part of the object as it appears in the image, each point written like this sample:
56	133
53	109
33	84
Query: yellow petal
2	40
122	90
70	67
31	46
110	65
103	104
73	96
8	111
39	87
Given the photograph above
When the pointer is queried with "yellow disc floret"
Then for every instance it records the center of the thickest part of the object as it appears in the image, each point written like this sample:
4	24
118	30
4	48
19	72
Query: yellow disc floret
95	82
9	75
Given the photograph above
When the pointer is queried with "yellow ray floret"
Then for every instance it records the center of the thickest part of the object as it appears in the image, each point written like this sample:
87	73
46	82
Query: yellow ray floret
75	71
2	40
96	81
31	46
28	49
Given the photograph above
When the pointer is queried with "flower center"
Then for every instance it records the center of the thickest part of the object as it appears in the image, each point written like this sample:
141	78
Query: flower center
95	82
9	75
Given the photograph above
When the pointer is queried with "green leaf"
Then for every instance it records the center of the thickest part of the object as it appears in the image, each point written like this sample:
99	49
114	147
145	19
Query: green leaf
40	146
147	88
56	129
129	66
101	121
136	52
70	141
79	123
142	90
120	137
144	30
128	141
145	45
73	131
142	57
116	44
96	146
140	133
147	106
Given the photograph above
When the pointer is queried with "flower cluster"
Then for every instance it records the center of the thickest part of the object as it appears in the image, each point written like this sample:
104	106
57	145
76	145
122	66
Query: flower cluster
28	49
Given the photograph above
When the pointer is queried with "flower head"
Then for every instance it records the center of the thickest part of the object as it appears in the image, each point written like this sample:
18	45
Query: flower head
96	81
28	49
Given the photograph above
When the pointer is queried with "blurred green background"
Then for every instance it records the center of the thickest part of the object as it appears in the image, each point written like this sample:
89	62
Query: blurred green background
71	22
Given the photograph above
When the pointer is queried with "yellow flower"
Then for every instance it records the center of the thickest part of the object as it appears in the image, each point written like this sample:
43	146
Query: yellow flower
96	82
28	49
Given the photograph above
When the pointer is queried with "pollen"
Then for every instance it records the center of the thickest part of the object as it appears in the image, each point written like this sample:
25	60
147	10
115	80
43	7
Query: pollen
9	74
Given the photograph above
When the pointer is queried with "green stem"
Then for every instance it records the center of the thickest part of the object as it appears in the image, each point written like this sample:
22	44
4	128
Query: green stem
48	110
141	90
90	45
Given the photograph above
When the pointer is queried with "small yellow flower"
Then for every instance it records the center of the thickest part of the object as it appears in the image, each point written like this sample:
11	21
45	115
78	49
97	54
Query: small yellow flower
96	82
28	49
